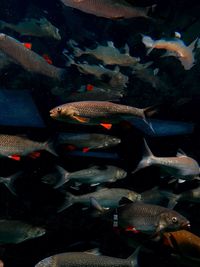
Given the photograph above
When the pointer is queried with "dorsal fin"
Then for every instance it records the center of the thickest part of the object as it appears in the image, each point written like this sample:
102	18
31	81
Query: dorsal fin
147	151
180	153
127	50
193	44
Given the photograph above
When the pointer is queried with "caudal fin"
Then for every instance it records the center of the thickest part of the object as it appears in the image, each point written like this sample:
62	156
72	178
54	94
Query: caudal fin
9	181
134	257
49	146
68	202
146	160
64	176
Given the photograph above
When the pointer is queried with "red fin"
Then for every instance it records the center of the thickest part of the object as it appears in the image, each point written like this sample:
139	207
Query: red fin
34	155
85	149
28	45
89	87
70	147
15	157
108	126
131	229
47	58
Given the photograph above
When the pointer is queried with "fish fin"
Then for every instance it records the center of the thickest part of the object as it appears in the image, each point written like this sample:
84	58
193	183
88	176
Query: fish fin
193	44
89	87
111	44
177	35
124	201
132	229
173	199
94	251
47	58
147	41
85	149
151	110
107	126
64	176
34	155
181	181
78	52
94	204
146	160
127	49
68	202
49	146
15	157
134	257
95	184
27	45
80	119
180	153
8	181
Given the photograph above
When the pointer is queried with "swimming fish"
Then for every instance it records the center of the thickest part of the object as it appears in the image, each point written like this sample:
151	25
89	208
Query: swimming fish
106	197
13	145
28	59
91	176
109	54
85	259
174	47
111	9
98	112
33	27
14	232
181	166
88	141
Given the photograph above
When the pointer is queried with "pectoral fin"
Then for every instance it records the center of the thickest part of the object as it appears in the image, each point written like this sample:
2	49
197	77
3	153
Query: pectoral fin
80	119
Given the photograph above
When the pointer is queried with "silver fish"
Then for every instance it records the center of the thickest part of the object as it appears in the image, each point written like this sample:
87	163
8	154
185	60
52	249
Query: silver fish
28	59
181	166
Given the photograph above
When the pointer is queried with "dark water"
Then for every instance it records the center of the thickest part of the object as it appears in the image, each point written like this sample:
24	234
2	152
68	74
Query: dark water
179	97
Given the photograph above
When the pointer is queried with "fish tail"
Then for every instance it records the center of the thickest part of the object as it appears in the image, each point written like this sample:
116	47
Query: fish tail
70	199
134	257
64	176
8	182
70	59
49	146
150	111
173	199
146	159
78	52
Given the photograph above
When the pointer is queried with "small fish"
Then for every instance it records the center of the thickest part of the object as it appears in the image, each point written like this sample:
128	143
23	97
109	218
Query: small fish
184	243
91	176
109	54
88	140
33	27
175	47
98	112
88	260
180	167
11	145
150	219
28	59
14	232
111	9
106	197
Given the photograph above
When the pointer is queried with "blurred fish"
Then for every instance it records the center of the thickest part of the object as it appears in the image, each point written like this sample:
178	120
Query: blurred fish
87	260
150	219
175	47
184	243
88	141
109	54
33	27
106	197
111	9
181	166
13	146
98	112
28	59
14	232
91	176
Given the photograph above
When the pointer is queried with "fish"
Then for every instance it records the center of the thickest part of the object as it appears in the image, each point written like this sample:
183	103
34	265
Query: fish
174	47
98	112
88	260
108	54
149	219
110	9
181	167
92	176
184	243
15	231
13	145
88	141
106	197
33	27
28	59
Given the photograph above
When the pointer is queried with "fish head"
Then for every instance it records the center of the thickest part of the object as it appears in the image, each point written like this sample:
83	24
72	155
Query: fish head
36	232
111	141
2	36
47	262
172	221
120	174
61	111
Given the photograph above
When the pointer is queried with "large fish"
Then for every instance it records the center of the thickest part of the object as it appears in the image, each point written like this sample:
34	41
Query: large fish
12	145
77	259
14	232
88	141
181	166
106	197
97	112
28	59
33	27
111	9
91	176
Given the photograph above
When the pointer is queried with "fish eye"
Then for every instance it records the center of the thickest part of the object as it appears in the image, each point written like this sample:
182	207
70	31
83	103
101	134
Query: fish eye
174	219
59	110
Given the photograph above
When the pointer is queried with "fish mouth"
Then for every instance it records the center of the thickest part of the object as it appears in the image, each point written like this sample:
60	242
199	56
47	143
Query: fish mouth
186	226
52	114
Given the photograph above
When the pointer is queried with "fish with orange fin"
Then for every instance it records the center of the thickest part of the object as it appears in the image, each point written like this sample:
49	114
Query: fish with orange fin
174	47
98	112
184	243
